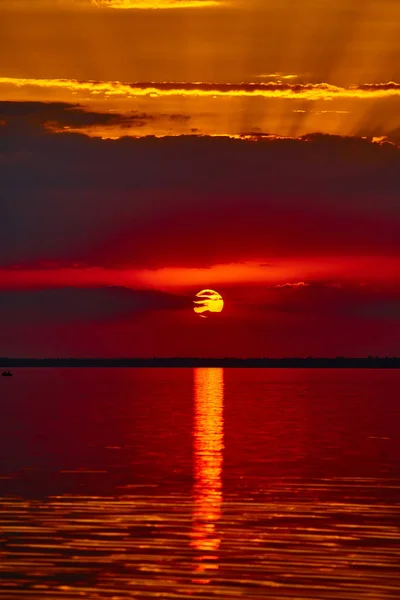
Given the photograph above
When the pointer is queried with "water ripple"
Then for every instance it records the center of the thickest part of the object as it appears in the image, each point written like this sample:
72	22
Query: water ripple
141	547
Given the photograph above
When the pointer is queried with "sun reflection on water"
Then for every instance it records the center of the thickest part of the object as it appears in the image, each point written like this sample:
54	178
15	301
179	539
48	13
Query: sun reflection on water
208	437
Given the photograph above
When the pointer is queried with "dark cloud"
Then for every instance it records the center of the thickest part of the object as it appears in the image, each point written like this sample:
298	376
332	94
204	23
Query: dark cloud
387	309
77	304
389	86
20	115
37	114
332	300
318	319
305	90
193	200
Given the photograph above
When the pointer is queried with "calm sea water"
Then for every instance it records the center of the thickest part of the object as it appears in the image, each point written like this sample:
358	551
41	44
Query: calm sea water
204	483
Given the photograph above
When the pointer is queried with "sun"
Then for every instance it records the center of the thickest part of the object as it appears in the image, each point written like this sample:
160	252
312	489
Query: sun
208	301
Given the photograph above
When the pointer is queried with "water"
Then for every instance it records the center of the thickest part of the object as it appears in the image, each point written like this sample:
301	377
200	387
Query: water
207	483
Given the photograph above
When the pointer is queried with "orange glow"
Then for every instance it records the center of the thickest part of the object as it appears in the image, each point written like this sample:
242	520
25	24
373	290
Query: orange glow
280	272
209	301
203	63
292	110
308	91
154	5
208	438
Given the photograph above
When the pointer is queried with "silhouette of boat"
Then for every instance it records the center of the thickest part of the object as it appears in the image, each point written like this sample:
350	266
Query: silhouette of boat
6	374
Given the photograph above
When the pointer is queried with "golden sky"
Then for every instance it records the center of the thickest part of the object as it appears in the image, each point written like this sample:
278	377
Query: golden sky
169	67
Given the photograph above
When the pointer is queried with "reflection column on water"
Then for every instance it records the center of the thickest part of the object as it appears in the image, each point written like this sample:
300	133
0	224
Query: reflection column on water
208	436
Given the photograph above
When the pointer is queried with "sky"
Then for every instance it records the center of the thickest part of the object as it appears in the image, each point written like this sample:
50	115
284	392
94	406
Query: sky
151	149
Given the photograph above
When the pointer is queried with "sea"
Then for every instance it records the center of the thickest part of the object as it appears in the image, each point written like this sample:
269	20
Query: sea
200	483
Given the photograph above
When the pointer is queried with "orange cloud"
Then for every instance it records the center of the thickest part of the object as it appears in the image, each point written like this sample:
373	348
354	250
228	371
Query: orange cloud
154	4
287	271
308	91
113	4
297	284
277	76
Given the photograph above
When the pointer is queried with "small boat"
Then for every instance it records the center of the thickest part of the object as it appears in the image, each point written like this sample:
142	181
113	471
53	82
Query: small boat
6	374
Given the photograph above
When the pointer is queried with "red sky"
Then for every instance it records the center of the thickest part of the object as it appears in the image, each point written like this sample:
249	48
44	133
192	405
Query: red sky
137	170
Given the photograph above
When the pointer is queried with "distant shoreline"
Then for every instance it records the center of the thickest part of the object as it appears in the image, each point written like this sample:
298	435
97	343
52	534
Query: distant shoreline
264	363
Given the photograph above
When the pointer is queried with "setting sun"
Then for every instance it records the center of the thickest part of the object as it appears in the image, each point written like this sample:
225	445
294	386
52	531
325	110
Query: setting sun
209	301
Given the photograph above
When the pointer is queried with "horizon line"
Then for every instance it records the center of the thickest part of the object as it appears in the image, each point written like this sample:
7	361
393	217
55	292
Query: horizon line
369	362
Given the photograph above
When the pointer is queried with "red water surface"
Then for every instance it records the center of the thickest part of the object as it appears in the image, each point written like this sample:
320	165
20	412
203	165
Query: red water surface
211	483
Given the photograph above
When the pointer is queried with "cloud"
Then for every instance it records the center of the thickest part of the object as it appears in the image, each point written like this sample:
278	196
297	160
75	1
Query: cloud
193	201
297	284
388	87
327	300
278	76
60	116
330	269
155	4
386	309
77	304
294	91
113	4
